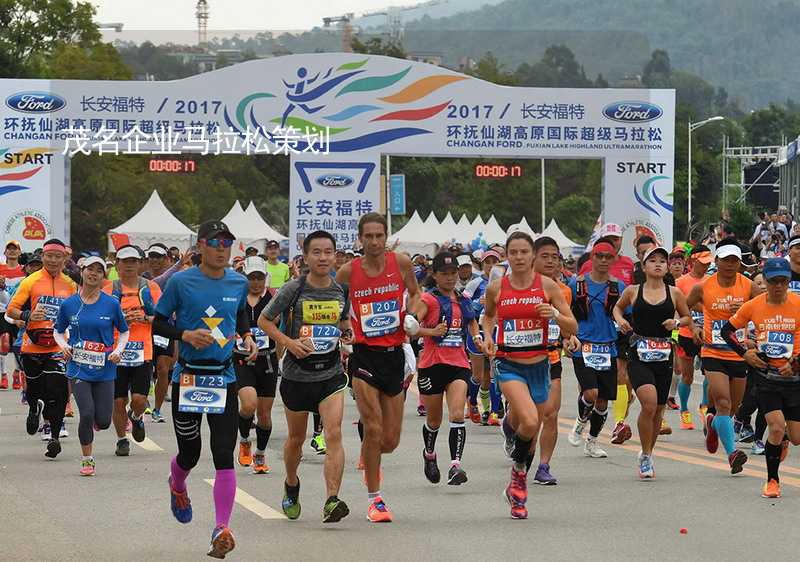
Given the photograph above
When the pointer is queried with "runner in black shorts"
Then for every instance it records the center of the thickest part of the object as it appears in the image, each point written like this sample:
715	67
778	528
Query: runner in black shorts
650	365
256	379
447	317
315	315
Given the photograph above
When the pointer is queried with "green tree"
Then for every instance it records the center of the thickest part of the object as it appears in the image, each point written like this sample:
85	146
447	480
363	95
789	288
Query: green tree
97	62
490	69
658	70
376	46
557	69
31	30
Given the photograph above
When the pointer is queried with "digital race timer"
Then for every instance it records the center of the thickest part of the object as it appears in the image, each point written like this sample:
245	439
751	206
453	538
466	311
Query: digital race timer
497	170
175	166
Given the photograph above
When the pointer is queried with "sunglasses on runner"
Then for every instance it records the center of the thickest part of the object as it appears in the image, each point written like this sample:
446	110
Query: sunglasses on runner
219	243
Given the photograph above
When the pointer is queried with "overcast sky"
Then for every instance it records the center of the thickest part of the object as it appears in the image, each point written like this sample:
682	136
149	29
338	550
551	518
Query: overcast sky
232	14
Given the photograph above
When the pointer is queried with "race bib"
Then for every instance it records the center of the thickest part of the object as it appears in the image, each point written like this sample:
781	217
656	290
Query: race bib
698	318
454	336
597	356
794	286
716	334
553	332
522	333
653	351
161	341
204	394
321	312
777	345
324	338
260	337
133	354
89	354
380	318
50	305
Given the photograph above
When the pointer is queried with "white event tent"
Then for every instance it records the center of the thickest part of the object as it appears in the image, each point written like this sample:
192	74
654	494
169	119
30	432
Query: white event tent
153	223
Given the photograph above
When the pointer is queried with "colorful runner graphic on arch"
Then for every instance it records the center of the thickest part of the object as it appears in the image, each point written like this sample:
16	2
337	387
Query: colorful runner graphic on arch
330	99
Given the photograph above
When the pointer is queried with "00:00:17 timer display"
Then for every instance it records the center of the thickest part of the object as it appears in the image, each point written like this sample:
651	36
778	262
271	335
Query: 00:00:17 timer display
497	171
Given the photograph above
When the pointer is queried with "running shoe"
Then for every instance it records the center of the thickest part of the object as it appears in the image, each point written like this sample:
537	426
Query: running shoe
494	419
4	382
622	432
16	383
646	471
501	413
180	504
53	449
318	444
421	412
771	489
245	453
156	416
544	477
68	411
702	410
474	414
46	435
137	427
712	439
222	542
686	420
757	448
784	449
32	421
291	502
63	432
575	436
665	428
485	417
746	434
737	460
377	512
123	448
591	449
87	467
517	494
456	475
431	468
671	404
260	465
334	510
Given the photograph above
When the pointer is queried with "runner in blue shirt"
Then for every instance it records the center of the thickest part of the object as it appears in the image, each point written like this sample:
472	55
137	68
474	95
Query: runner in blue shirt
91	317
209	303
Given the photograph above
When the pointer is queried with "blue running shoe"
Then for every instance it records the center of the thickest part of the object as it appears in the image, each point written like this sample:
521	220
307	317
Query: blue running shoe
180	504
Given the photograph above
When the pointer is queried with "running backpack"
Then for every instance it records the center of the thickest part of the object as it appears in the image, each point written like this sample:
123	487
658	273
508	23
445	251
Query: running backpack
580	304
446	309
145	298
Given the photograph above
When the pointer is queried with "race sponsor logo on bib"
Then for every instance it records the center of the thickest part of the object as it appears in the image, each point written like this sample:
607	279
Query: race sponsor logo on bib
777	345
522	333
324	338
89	354
653	351
597	356
205	394
553	332
380	318
133	354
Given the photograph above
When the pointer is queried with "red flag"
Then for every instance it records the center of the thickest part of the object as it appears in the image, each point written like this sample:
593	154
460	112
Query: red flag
119	240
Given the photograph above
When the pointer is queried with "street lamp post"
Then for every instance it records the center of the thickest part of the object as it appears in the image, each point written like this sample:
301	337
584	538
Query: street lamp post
692	127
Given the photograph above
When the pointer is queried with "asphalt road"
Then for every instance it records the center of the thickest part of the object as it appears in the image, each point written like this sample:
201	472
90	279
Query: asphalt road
599	510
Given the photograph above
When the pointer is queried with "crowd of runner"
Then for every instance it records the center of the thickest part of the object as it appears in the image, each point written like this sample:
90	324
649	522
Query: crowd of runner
484	334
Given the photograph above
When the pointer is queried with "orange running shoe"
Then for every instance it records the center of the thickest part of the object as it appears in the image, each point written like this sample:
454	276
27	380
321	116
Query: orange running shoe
494	420
4	382
377	512
686	420
784	449
17	380
222	542
475	414
245	454
665	428
260	465
771	489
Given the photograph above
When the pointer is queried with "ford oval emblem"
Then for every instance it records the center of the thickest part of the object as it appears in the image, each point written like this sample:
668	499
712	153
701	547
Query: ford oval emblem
632	111
35	102
201	396
334	180
379	321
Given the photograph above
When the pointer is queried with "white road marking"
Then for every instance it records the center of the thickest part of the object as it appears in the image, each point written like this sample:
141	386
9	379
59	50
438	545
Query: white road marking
253	504
148	444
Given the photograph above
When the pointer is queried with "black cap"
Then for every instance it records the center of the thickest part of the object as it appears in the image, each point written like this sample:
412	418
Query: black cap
212	229
444	260
272	243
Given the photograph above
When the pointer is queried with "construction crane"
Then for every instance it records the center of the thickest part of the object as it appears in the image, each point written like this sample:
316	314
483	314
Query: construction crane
345	25
201	12
394	17
115	26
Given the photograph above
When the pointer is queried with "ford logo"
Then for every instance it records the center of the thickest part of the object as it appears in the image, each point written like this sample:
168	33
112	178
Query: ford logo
593	360
35	102
202	396
632	111
379	321
774	350
334	180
